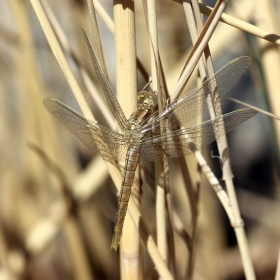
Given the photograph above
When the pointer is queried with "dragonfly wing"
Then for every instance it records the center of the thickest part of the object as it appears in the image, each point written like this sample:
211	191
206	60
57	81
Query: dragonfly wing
96	137
108	92
189	140
72	120
191	105
156	152
109	141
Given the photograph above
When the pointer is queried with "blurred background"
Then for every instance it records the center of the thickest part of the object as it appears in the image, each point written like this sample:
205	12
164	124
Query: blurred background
57	201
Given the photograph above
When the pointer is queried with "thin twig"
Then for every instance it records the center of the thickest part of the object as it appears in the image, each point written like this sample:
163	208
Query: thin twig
199	47
240	24
60	57
63	40
255	108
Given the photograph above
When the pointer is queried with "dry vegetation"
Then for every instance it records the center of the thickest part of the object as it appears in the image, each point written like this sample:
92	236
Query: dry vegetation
58	201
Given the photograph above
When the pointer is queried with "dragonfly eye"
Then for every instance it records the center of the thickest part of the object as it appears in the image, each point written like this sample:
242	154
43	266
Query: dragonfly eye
145	100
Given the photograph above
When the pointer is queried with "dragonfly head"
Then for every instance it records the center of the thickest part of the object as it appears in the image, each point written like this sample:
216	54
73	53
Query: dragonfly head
146	100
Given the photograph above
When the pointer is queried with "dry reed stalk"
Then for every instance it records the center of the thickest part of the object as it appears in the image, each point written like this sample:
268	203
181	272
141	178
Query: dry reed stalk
255	108
244	26
193	197
44	231
30	84
266	19
103	14
277	275
237	222
61	59
126	80
62	38
80	262
150	9
96	38
241	24
199	47
64	65
8	269
150	245
67	72
83	185
31	120
109	23
154	250
146	236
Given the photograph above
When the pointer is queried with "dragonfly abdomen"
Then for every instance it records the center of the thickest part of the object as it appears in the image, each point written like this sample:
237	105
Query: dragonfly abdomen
131	162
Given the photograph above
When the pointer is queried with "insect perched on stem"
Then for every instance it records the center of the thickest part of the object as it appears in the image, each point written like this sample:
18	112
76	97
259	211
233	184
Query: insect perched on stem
142	132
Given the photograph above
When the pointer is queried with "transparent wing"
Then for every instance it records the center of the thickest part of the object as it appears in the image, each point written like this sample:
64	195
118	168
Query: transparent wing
108	92
192	104
189	140
96	137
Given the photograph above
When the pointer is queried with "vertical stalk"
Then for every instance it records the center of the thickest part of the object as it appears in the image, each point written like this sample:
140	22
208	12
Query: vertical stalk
96	38
199	47
227	173
193	197
277	275
160	185
266	19
126	77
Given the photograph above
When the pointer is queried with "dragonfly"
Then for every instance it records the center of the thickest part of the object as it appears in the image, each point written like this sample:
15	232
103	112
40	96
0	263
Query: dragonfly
143	132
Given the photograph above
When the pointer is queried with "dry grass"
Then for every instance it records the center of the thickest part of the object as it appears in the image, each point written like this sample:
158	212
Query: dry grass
58	199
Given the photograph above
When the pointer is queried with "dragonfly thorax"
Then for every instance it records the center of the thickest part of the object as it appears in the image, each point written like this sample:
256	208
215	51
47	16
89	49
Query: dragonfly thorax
133	136
133	124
